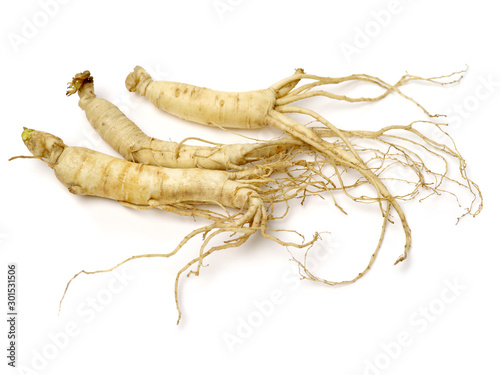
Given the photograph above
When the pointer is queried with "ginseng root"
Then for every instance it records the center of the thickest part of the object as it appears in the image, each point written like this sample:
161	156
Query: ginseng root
125	137
269	107
250	109
87	172
410	163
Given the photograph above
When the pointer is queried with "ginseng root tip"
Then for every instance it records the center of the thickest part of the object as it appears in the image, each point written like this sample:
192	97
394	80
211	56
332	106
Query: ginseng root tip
400	259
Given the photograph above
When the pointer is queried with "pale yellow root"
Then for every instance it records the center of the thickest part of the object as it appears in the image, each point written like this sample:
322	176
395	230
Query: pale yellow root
124	136
87	172
255	109
349	159
203	105
307	274
248	110
305	91
403	142
269	107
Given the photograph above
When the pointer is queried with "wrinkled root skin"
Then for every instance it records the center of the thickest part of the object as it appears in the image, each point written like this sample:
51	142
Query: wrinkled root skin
252	190
273	111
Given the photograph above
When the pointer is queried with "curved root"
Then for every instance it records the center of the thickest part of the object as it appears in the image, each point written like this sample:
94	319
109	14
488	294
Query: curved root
253	218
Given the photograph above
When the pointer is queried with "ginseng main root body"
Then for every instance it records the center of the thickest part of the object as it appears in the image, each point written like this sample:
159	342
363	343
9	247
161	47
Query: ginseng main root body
125	137
239	180
87	172
269	107
254	109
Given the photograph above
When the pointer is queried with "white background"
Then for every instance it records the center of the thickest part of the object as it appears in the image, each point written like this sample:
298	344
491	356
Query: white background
52	234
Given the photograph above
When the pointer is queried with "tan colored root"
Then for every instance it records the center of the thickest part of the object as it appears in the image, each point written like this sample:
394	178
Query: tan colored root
256	220
339	156
408	148
349	151
221	157
413	160
305	91
404	146
245	222
125	137
307	274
